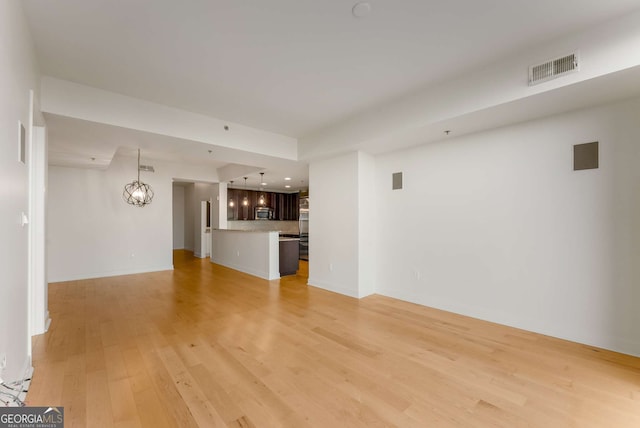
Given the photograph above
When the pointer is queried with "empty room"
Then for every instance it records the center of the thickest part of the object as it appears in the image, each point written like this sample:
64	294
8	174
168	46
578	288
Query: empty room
325	214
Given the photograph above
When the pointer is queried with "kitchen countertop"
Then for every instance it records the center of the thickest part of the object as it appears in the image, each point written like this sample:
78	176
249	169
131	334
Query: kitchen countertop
284	234
246	231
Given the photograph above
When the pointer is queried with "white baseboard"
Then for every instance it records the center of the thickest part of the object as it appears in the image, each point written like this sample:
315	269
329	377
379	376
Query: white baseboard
335	288
91	275
255	272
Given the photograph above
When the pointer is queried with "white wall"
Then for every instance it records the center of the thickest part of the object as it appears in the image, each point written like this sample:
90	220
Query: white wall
341	229
498	226
178	217
18	75
94	233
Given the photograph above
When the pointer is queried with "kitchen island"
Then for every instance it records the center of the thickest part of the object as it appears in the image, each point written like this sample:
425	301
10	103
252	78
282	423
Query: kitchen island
257	253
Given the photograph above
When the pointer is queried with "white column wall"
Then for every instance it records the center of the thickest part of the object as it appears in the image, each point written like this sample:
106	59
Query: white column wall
333	224
37	224
368	226
178	217
18	75
202	192
189	217
219	217
342	219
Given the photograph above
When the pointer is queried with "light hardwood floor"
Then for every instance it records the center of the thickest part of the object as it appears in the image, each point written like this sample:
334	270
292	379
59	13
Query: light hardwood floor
207	346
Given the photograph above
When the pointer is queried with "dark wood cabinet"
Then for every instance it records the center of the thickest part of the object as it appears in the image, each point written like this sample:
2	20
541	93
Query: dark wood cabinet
285	205
289	255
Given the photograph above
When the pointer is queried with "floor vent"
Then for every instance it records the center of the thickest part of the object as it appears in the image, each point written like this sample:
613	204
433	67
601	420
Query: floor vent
553	68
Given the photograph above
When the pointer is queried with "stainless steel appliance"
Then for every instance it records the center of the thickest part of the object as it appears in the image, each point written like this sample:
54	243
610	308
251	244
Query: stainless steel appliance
304	228
263	213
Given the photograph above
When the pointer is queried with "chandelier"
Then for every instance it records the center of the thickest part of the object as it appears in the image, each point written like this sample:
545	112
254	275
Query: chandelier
137	193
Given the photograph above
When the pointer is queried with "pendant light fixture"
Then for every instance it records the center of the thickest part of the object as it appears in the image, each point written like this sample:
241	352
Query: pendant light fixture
137	193
245	201
261	199
231	203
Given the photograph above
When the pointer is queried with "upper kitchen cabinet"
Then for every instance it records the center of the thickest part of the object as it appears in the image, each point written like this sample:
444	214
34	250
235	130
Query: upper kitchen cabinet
284	205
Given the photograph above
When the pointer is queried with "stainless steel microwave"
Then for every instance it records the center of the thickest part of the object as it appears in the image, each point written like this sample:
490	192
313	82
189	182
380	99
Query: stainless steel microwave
264	213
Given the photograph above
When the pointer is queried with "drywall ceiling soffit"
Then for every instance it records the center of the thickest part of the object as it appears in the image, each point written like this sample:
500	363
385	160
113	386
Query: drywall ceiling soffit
82	140
289	67
80	144
593	92
280	176
236	171
84	144
73	100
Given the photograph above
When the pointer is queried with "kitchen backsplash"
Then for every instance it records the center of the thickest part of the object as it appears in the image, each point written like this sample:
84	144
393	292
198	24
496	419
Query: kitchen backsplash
264	225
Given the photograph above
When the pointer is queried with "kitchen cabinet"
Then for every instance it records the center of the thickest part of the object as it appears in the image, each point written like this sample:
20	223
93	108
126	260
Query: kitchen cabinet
289	255
285	205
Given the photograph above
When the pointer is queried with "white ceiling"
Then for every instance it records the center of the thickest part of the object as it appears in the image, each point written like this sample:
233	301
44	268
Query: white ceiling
288	66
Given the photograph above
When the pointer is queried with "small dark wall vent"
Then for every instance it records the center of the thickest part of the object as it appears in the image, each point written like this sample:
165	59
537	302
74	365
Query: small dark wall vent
22	144
396	181
585	156
553	68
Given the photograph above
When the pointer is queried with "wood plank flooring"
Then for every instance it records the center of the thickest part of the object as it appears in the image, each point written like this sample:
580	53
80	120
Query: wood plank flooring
205	346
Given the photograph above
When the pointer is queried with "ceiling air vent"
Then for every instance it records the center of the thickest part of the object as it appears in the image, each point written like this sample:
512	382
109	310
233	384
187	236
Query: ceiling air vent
553	68
147	168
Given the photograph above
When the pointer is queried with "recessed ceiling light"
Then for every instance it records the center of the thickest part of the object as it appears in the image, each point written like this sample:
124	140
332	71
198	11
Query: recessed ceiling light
362	9
287	186
287	178
263	184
